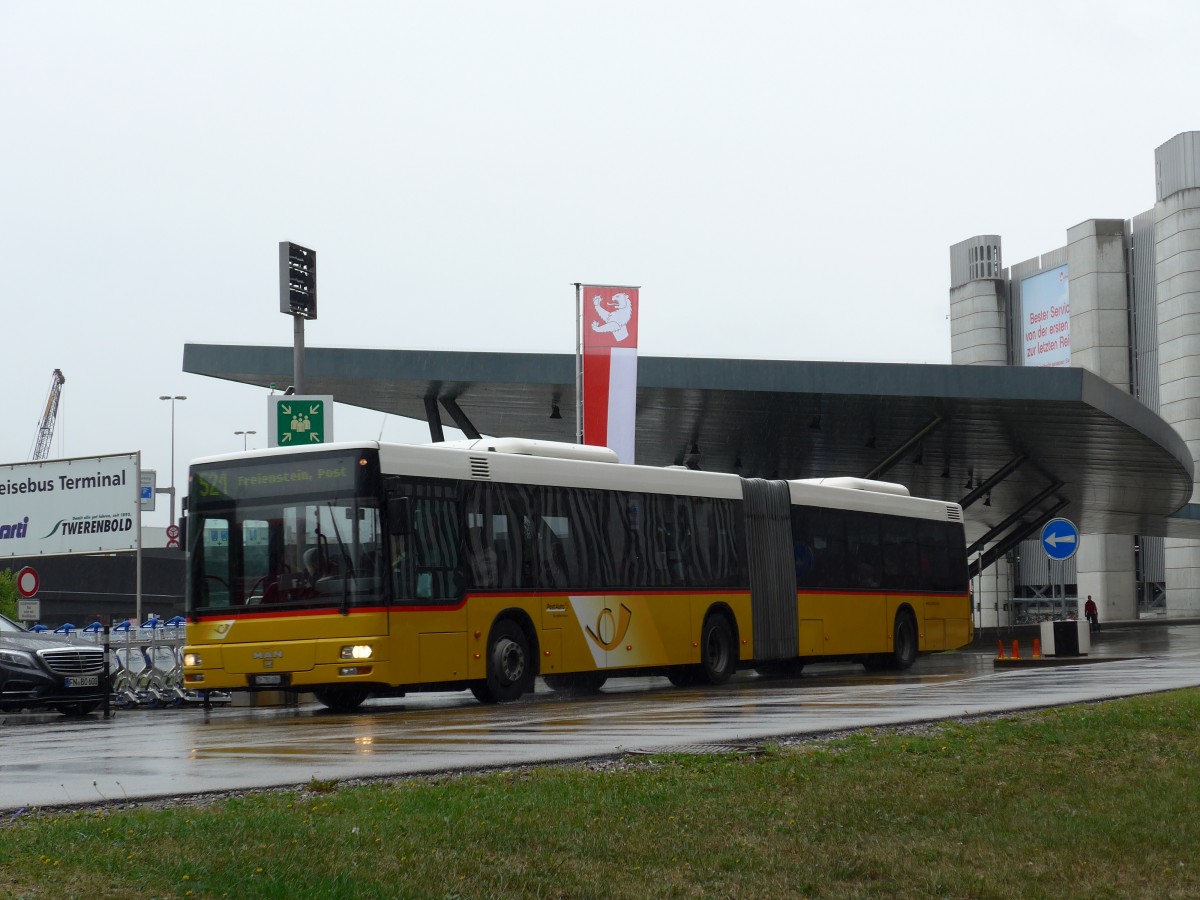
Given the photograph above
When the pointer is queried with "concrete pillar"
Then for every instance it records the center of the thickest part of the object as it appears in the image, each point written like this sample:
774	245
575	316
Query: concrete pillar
993	593
1106	570
1177	285
1099	297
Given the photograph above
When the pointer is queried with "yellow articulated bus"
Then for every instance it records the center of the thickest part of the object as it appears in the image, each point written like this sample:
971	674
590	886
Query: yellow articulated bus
352	570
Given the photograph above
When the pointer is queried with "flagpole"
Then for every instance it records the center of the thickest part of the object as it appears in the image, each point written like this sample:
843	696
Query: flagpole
578	362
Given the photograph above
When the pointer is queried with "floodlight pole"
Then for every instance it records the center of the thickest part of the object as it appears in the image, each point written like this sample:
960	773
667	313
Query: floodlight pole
173	398
298	354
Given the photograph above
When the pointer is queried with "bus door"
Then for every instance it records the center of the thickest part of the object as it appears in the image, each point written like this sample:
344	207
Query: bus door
428	584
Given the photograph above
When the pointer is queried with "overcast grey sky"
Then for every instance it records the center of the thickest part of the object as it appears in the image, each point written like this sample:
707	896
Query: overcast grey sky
783	179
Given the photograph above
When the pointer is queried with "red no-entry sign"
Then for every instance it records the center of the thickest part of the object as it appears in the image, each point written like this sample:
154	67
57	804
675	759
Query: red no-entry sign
27	582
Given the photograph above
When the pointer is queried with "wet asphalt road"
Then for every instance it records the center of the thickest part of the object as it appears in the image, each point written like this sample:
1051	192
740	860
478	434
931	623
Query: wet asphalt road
49	760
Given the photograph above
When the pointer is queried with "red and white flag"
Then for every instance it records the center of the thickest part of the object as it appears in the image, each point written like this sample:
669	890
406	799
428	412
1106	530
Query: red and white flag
610	331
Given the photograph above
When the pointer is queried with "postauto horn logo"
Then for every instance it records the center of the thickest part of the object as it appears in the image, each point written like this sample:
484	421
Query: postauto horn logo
609	632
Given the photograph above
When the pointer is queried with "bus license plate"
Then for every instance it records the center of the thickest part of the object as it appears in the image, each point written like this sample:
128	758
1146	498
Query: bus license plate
79	681
266	680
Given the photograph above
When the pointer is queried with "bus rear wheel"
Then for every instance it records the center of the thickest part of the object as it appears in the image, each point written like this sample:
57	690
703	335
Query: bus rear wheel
718	656
509	665
577	683
718	653
904	641
342	697
904	646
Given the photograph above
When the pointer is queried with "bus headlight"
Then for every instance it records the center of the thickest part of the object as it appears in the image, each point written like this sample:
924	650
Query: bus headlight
358	651
192	659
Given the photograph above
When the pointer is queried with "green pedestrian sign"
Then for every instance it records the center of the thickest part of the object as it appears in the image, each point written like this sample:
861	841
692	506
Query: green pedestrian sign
300	421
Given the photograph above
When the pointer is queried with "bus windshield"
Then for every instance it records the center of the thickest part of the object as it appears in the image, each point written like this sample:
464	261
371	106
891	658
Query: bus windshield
302	537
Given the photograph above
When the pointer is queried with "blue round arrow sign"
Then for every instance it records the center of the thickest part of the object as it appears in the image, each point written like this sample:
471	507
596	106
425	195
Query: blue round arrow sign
1060	538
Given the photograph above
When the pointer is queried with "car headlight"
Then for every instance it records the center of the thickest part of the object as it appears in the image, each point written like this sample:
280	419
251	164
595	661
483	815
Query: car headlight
192	659
358	651
18	658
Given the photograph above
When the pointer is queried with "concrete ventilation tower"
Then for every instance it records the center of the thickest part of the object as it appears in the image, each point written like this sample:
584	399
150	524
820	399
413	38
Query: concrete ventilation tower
979	337
45	432
978	303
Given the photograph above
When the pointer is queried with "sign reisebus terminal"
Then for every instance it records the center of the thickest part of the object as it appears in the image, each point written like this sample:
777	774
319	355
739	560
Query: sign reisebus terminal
59	506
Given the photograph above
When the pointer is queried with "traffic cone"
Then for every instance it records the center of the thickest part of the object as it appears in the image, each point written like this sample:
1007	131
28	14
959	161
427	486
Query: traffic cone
999	649
1037	648
1016	650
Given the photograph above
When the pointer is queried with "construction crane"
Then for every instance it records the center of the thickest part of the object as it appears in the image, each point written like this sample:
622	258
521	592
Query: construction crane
45	432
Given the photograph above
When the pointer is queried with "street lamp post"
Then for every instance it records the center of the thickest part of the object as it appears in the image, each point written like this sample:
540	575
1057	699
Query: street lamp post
245	437
172	398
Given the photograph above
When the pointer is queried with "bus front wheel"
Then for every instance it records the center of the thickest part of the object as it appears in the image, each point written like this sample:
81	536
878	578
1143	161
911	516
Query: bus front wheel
509	665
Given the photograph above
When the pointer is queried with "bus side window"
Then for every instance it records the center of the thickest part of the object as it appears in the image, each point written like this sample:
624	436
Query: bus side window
820	547
939	561
425	560
502	508
484	562
865	567
900	557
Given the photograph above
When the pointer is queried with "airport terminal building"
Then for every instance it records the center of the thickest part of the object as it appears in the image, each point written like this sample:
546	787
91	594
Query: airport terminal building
1074	391
1120	298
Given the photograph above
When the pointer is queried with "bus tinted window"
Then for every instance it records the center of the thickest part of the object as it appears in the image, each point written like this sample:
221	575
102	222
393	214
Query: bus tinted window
943	556
862	551
820	547
899	550
572	538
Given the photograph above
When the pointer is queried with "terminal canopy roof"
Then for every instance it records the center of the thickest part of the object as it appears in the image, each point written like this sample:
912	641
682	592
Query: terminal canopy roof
1015	446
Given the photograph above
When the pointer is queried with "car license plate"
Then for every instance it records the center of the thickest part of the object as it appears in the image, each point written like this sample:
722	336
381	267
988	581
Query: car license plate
266	680
81	681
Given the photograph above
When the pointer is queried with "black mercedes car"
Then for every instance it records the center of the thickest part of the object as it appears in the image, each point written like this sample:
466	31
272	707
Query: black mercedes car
47	670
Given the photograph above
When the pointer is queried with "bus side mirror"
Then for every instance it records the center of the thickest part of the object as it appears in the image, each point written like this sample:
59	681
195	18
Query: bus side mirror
399	515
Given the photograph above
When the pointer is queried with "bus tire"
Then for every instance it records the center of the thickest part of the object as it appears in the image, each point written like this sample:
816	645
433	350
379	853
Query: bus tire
904	641
342	698
718	651
510	665
576	683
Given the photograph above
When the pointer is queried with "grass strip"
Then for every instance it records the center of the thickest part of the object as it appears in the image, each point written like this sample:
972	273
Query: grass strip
1088	801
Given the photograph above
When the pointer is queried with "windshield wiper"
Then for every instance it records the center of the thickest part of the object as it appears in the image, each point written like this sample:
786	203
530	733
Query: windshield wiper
348	568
